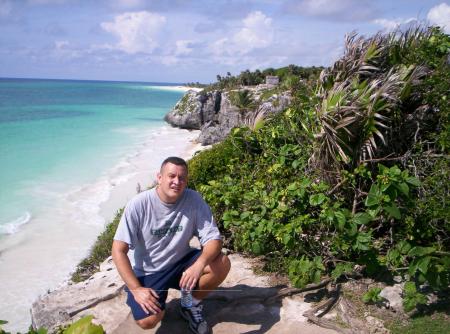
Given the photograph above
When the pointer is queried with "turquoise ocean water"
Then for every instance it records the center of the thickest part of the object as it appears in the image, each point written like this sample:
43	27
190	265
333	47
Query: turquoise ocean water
56	133
69	152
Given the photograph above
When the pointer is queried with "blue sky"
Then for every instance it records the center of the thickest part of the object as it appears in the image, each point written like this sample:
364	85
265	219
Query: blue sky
185	41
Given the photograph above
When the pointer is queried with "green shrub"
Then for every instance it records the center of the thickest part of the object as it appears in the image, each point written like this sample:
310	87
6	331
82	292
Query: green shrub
386	211
99	252
372	296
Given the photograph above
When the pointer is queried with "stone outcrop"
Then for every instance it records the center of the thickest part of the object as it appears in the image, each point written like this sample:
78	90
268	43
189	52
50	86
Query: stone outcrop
215	114
194	109
236	307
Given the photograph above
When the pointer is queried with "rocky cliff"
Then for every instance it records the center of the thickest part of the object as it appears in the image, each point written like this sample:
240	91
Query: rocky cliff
215	113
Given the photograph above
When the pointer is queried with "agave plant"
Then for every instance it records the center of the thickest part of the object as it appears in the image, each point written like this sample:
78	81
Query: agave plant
255	120
361	99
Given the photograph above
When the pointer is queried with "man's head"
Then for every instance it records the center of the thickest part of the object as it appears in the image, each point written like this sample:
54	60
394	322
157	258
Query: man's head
172	179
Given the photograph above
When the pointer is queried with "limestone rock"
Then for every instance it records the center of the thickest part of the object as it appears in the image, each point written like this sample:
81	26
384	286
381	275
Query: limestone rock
64	304
376	326
194	109
394	296
215	114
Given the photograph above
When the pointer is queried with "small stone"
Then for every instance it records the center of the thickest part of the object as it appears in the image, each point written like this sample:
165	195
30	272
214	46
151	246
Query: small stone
393	294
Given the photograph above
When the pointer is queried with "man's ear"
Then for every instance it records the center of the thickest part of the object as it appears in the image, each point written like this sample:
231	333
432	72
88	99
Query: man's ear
158	177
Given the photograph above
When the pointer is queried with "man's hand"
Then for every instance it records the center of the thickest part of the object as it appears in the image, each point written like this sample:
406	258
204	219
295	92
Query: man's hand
191	276
147	298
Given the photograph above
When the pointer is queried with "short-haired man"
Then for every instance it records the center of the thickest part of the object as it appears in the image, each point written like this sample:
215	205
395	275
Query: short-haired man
156	227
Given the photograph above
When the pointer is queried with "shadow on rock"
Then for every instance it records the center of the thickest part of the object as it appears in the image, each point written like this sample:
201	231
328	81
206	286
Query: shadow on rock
240	304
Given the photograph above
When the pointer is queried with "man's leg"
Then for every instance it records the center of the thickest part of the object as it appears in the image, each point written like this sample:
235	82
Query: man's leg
159	283
151	321
213	275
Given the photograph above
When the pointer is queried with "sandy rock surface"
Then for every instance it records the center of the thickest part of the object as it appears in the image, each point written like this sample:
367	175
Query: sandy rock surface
236	307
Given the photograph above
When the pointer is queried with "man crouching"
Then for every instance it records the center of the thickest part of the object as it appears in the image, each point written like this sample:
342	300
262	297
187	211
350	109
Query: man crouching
151	248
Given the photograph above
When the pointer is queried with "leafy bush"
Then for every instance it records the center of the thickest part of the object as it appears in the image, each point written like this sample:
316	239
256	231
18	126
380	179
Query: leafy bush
353	175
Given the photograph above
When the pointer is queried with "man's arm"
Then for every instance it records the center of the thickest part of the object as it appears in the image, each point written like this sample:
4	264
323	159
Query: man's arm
191	276
147	298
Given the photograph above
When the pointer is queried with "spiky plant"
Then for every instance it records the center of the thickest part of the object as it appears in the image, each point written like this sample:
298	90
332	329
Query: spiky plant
243	99
362	96
255	120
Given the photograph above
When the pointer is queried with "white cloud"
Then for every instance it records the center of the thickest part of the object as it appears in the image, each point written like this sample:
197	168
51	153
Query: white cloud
136	31
255	32
440	15
390	25
5	8
183	47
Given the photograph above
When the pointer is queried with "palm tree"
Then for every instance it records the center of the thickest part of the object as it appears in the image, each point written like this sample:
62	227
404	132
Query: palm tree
243	100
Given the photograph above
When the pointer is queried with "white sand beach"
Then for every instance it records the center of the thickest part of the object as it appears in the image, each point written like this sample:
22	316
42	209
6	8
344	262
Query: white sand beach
178	88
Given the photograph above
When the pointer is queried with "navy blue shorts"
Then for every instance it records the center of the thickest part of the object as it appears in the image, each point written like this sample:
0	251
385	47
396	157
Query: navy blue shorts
161	282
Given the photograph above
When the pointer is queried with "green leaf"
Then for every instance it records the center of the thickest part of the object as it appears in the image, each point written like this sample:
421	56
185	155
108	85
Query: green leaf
256	248
245	214
3	322
421	251
403	187
409	288
317	199
394	171
373	198
413	181
341	268
372	296
41	331
393	211
353	229
404	247
84	326
286	239
423	264
340	219
317	275
393	256
409	304
362	218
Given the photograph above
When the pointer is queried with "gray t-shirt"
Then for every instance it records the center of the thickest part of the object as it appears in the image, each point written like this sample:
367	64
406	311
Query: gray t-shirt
158	233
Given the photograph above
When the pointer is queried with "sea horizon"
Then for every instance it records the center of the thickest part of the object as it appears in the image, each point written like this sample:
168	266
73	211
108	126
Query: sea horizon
163	83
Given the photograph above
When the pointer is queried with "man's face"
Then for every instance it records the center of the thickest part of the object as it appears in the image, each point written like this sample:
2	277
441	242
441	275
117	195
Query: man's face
172	181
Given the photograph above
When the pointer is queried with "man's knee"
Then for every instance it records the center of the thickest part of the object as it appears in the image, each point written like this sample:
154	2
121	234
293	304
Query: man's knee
150	322
221	265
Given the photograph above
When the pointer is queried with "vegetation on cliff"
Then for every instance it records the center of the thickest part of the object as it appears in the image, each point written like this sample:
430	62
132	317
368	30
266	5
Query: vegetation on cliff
352	179
288	76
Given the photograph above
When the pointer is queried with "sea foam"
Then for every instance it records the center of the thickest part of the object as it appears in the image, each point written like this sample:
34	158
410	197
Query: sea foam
14	225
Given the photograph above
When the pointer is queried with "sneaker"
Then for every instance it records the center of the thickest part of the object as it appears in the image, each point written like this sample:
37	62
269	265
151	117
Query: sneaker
194	316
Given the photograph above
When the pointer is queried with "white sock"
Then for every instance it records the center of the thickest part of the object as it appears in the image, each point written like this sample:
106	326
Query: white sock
195	301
